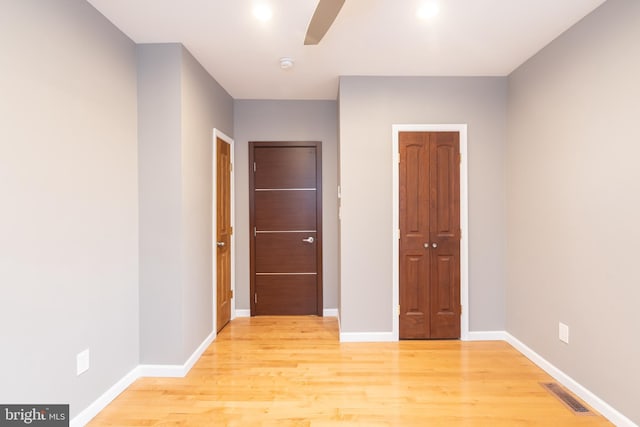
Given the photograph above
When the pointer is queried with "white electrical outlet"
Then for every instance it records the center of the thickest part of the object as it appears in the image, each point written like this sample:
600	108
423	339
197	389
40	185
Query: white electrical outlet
563	332
82	362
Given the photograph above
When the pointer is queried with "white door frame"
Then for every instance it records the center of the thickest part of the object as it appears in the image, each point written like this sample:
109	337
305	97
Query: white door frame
464	221
218	134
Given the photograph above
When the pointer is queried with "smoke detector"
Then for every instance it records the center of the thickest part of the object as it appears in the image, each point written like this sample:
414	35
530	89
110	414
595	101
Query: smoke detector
286	63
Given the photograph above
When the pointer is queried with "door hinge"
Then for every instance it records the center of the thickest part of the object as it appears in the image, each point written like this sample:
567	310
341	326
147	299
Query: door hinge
230	167
231	231
398	310
255	232
460	158
254	167
231	293
461	310
255	298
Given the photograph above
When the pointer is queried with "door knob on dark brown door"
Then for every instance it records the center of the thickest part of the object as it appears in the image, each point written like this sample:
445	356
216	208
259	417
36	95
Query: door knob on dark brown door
220	244
434	244
308	240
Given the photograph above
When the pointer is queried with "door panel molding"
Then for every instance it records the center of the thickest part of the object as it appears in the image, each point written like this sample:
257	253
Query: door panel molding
464	221
217	134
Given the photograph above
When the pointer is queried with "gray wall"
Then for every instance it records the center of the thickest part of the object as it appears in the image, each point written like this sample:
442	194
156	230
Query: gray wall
287	121
160	169
205	106
369	106
574	203
179	105
69	191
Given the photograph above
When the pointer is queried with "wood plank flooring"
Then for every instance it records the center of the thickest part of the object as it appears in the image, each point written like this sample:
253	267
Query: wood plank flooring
292	371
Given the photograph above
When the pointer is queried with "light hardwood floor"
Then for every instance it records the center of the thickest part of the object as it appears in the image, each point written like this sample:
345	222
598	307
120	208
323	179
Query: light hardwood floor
292	371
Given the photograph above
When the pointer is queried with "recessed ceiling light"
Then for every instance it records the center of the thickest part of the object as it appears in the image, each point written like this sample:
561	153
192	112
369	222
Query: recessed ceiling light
262	12
428	10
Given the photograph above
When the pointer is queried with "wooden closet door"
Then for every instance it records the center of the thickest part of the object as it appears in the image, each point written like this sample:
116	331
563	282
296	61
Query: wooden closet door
429	235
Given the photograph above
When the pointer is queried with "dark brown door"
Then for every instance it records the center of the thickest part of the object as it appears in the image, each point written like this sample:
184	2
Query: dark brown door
286	228
223	233
429	235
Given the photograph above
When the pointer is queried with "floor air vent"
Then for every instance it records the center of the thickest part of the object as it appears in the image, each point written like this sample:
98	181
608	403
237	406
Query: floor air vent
567	398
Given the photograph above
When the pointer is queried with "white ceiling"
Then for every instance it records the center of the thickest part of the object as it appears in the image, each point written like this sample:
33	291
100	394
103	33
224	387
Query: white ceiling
369	37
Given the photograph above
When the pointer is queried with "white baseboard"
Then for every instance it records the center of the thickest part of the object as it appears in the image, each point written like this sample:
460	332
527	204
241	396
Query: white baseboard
169	371
107	397
366	337
177	371
195	356
486	336
330	312
243	313
591	399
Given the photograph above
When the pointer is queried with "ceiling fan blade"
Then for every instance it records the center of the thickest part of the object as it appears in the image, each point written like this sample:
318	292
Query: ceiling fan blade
322	19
